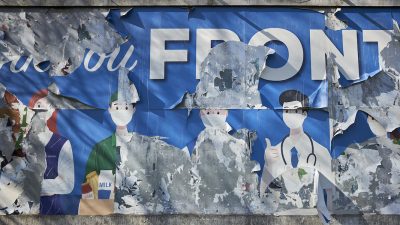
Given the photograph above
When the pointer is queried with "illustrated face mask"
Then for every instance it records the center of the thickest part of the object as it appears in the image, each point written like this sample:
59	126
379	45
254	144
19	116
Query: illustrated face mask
121	114
214	118
294	120
293	115
44	108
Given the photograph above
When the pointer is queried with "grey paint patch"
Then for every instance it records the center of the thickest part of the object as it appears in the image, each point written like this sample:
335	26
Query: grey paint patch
25	174
368	177
332	22
215	155
388	54
158	178
61	102
122	3
378	95
293	190
7	143
229	77
381	90
153	178
27	33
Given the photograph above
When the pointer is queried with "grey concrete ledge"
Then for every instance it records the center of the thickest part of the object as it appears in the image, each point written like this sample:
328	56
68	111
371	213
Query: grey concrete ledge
131	3
371	219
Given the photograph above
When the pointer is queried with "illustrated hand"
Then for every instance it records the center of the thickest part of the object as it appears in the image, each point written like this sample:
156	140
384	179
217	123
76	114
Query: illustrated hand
271	166
271	152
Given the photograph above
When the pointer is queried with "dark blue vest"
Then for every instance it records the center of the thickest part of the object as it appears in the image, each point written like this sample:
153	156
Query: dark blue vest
52	150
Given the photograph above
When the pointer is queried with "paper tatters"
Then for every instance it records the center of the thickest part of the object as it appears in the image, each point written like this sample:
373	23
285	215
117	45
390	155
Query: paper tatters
229	77
126	91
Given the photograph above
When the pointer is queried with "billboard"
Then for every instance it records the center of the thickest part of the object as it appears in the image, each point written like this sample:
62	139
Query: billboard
209	111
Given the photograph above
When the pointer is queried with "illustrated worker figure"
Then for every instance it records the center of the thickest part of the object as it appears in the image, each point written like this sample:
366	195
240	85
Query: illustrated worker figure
98	189
58	178
228	157
297	149
214	120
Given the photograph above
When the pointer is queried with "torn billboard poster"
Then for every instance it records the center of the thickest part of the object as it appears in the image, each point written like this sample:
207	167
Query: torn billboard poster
209	110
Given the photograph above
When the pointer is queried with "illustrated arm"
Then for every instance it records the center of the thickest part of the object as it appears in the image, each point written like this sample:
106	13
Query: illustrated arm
273	166
64	182
324	162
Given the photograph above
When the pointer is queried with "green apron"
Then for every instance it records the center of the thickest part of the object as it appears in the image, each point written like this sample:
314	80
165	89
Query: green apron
103	156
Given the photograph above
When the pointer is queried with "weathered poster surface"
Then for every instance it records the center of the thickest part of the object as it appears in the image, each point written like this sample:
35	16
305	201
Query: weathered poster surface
204	111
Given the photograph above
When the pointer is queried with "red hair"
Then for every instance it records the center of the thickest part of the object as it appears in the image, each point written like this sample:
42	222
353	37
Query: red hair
10	98
37	96
52	122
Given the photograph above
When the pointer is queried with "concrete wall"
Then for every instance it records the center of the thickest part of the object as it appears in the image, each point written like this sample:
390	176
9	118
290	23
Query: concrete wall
130	3
198	220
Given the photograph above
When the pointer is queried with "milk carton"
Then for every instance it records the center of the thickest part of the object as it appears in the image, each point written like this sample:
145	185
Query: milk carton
106	184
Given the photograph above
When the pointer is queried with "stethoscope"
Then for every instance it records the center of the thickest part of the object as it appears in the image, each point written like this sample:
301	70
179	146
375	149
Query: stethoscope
312	154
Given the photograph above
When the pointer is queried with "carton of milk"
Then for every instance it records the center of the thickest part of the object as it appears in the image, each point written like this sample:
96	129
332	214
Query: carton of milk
106	184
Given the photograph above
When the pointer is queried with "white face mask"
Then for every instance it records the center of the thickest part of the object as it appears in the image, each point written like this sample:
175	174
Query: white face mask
121	114
293	115
376	127
214	121
214	118
44	108
49	113
294	120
